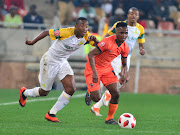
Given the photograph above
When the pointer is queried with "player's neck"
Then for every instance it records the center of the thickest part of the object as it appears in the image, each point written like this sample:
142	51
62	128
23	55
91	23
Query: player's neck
132	23
77	34
118	42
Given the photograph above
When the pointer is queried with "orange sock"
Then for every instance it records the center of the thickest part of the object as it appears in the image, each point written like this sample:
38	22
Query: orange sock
112	110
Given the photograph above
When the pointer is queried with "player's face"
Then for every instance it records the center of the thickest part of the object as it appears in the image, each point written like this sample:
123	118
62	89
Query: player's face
121	34
82	27
133	16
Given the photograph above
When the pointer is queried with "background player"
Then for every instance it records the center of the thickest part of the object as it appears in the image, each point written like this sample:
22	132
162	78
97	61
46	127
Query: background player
98	68
54	63
135	32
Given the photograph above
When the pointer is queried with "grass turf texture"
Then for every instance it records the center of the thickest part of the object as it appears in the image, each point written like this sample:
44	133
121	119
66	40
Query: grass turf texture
155	115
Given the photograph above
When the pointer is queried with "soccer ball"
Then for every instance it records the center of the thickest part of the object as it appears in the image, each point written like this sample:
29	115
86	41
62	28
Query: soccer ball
127	120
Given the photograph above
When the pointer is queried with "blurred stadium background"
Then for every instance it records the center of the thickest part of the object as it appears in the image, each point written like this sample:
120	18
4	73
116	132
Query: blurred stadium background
156	72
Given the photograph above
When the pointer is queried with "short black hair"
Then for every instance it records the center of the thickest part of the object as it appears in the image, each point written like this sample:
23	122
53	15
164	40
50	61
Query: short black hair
79	19
133	8
121	24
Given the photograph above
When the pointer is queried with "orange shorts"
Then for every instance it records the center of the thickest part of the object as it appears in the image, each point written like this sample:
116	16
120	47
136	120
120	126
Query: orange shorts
106	76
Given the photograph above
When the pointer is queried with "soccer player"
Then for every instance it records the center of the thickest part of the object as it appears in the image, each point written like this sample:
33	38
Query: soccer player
98	68
54	63
135	32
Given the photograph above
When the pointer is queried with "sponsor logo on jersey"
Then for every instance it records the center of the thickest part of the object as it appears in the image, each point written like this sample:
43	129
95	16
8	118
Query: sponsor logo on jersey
80	43
135	32
102	44
70	48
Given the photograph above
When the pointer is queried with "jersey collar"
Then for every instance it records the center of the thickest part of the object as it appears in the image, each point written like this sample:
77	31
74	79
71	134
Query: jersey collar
117	43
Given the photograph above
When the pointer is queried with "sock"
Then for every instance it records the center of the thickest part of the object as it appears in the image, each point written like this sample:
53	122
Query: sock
61	102
112	110
99	103
107	97
32	92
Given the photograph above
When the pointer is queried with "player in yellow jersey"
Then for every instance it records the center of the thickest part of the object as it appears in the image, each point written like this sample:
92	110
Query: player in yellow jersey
54	63
135	32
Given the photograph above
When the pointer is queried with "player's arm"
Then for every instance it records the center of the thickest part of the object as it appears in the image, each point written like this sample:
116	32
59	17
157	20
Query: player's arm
123	73
141	49
37	38
141	41
106	35
93	38
111	31
91	55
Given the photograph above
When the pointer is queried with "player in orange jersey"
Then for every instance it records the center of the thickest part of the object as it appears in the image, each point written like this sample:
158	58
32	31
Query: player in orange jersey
98	68
135	33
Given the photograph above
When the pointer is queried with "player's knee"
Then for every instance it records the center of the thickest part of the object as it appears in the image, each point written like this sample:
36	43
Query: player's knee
43	92
95	98
115	95
70	90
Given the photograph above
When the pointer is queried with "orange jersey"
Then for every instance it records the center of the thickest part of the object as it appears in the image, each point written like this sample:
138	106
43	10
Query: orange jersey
110	50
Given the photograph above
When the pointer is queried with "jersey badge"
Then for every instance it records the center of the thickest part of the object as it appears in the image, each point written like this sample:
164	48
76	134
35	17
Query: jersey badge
56	33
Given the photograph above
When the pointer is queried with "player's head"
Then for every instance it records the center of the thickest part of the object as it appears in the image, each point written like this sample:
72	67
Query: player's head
121	31
81	26
133	15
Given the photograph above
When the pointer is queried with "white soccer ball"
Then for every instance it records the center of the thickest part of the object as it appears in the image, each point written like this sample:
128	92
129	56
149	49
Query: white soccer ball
127	120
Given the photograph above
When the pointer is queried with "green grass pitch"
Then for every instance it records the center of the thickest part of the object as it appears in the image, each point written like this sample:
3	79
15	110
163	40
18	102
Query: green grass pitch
155	115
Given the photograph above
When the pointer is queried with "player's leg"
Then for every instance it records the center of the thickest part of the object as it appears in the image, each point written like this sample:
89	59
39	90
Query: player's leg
88	100
46	78
94	92
106	95
113	105
66	76
116	64
96	97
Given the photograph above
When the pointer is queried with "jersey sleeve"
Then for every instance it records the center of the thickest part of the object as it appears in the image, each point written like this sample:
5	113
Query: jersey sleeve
141	38
112	31
103	45
61	33
86	38
125	52
54	34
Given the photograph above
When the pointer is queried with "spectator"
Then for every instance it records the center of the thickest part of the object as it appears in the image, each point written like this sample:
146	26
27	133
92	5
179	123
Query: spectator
160	12
18	3
12	19
67	9
89	13
125	4
119	16
96	3
107	7
177	4
1	17
33	17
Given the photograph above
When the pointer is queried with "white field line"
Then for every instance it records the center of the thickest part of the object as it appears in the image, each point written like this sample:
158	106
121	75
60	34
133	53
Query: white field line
148	132
42	99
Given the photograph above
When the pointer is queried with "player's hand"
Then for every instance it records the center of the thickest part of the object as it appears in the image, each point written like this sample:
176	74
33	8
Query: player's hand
93	38
124	75
142	51
28	42
95	78
122	81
